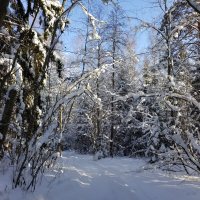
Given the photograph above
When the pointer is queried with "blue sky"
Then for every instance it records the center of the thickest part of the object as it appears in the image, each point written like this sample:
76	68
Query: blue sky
143	9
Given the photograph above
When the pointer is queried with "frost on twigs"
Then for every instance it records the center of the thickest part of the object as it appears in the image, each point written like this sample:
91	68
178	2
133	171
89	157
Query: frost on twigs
94	22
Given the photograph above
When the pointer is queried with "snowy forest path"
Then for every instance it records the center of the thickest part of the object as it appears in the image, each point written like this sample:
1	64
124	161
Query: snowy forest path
79	177
82	178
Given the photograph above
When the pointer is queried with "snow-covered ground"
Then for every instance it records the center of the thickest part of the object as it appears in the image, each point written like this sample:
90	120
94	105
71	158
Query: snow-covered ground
79	177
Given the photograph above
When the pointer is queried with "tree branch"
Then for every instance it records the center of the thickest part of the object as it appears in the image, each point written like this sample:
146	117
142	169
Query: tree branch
194	5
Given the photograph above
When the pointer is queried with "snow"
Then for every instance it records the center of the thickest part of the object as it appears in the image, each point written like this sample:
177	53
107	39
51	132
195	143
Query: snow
79	177
187	97
18	74
93	20
36	41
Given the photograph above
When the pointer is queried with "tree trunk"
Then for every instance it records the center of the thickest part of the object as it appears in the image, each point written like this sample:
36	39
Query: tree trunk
6	117
3	10
112	99
98	122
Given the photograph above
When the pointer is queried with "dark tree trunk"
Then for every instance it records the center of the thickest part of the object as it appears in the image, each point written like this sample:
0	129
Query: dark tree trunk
6	117
3	10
